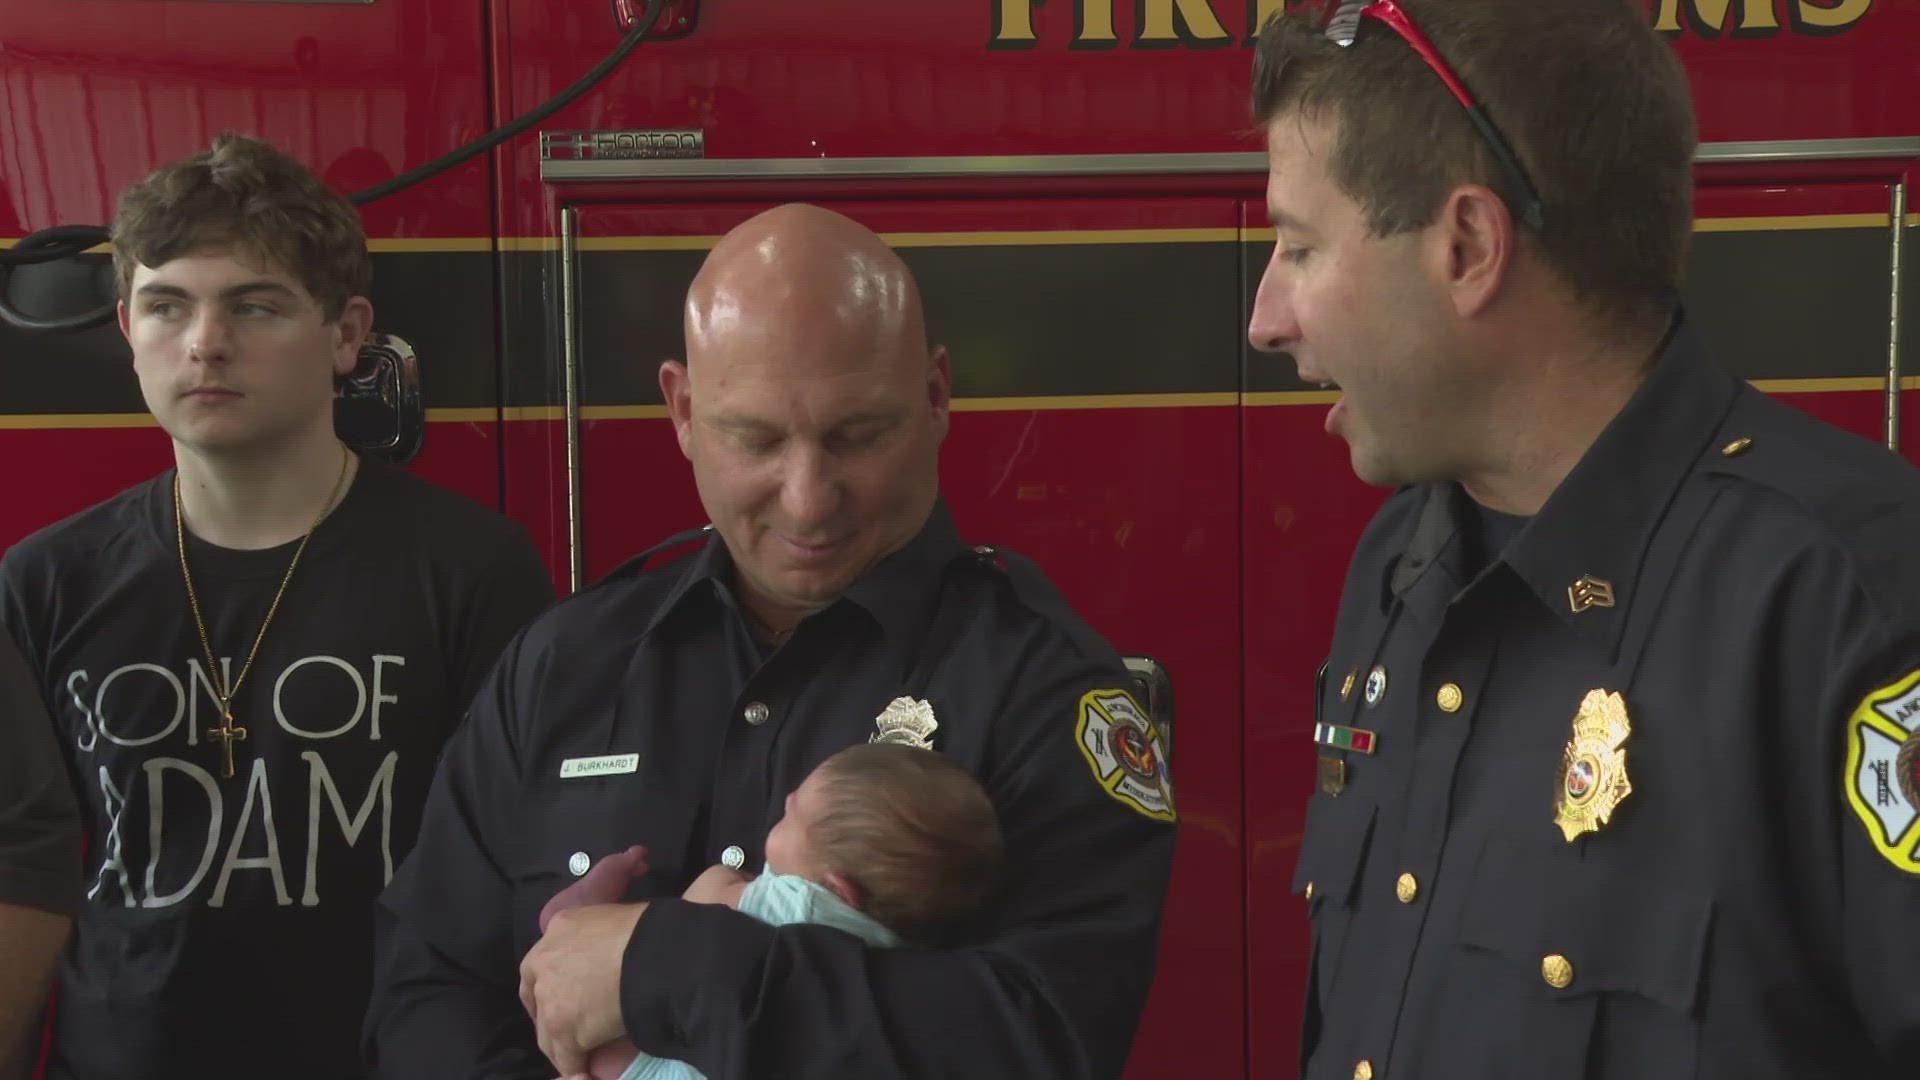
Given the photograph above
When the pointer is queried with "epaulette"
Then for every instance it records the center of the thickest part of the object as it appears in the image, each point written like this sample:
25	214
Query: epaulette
1037	593
1832	473
1860	495
633	565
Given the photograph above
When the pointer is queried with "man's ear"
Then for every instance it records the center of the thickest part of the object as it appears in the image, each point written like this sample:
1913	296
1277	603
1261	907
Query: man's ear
352	328
1474	243
676	387
940	389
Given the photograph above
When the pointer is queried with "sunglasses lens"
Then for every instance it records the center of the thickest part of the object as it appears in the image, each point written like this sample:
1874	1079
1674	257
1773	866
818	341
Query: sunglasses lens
1343	20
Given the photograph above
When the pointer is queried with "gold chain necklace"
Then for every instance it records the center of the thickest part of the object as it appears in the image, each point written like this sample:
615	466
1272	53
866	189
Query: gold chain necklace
775	638
227	733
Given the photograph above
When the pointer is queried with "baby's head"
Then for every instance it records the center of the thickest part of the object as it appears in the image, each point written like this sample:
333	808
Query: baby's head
905	835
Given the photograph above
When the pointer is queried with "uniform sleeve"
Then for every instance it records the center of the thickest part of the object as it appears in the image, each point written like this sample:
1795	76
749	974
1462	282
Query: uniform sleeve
445	998
514	588
1053	989
1872	781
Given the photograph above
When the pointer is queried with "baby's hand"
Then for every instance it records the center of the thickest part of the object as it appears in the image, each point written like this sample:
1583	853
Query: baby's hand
717	885
606	883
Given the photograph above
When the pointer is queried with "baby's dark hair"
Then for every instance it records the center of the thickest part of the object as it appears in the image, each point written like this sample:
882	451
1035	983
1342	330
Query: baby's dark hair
913	831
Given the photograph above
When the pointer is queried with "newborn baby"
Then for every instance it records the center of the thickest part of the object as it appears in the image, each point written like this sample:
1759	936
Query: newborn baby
888	842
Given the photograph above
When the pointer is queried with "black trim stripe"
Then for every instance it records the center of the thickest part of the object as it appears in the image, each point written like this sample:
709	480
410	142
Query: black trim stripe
1780	304
441	302
1076	320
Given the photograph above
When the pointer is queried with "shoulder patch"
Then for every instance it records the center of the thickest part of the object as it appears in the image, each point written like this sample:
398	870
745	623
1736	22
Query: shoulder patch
1125	751
1883	770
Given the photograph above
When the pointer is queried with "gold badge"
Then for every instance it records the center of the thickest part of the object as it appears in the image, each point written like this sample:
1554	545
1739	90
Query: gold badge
1593	768
907	721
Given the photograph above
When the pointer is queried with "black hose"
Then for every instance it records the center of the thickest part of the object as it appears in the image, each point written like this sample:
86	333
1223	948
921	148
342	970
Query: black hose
67	241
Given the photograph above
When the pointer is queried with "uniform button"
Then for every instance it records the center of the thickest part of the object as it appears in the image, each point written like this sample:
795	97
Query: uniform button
733	858
1363	1071
1736	447
757	713
1558	971
579	863
1309	890
1450	698
1406	888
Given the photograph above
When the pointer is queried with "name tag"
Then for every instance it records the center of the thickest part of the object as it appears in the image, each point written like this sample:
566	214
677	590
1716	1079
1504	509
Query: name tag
610	765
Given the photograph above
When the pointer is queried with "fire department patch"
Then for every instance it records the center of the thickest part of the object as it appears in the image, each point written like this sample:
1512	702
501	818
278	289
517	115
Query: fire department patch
1125	751
1883	770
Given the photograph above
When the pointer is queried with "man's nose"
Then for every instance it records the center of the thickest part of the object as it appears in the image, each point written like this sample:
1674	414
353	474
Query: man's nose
209	338
810	492
1273	326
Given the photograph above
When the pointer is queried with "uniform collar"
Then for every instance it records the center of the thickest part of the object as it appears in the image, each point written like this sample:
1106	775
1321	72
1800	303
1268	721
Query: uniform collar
1581	554
703	575
900	592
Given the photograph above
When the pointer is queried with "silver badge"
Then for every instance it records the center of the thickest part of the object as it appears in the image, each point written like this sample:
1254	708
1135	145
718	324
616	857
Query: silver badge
1376	685
907	721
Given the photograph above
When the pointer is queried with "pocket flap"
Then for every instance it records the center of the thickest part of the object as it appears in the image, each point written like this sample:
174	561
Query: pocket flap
1334	848
1617	932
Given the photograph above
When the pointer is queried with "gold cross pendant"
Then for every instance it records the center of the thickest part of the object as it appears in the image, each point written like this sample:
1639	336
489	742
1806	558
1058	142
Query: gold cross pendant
228	735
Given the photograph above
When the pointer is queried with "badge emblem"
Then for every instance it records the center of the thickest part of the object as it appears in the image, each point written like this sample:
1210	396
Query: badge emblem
1125	751
1376	685
1883	770
908	721
1593	768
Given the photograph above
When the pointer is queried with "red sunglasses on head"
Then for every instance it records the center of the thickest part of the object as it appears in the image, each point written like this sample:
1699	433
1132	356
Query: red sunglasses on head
1343	25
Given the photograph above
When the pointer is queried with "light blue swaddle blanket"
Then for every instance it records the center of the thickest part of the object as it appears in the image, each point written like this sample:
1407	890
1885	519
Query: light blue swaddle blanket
776	899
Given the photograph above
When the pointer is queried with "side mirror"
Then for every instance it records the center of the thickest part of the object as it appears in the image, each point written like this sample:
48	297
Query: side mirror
1155	688
377	408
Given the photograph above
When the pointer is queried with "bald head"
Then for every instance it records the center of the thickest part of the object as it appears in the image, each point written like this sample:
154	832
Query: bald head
805	275
810	405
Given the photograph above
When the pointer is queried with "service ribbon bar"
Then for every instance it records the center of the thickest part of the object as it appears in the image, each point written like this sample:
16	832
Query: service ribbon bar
1358	740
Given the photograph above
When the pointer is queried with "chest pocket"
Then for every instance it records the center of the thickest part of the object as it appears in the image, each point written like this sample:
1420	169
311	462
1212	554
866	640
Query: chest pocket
1332	855
568	827
1578	968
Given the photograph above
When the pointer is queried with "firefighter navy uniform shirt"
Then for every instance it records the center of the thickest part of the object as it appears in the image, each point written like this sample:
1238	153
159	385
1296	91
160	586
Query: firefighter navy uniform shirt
641	711
227	924
1628	791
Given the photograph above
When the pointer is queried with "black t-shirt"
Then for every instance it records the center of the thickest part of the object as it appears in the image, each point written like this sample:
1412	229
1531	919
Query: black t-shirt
228	921
39	822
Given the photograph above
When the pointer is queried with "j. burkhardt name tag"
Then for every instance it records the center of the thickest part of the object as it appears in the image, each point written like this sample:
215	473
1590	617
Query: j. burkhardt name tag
609	765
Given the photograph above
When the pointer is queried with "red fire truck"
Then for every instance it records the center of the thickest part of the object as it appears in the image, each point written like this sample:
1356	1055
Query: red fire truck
1074	183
